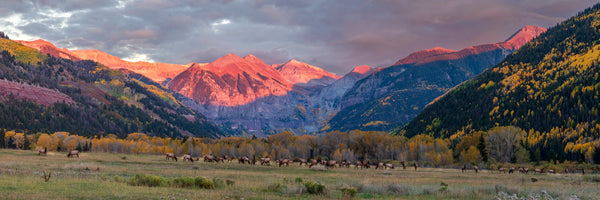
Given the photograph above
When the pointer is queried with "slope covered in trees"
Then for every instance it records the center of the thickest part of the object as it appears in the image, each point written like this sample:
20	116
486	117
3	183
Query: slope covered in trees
550	88
397	94
105	101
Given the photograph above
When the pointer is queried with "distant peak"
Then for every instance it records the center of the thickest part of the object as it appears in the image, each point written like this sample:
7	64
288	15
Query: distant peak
362	69
524	35
420	55
250	56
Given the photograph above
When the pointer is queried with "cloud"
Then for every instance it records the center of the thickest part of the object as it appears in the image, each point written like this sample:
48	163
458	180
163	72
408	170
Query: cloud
335	35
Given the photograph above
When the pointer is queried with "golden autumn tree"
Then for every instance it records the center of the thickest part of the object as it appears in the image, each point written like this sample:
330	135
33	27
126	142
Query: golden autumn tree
19	140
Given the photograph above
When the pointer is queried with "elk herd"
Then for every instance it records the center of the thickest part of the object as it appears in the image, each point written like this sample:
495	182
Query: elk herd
328	164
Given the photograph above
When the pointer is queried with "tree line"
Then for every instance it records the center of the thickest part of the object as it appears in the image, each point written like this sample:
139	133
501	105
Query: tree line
498	145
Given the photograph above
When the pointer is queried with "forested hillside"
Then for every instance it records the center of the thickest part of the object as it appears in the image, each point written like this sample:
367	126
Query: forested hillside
397	94
550	88
100	101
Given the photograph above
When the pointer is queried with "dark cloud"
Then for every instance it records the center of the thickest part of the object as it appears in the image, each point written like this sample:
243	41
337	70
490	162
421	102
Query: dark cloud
335	35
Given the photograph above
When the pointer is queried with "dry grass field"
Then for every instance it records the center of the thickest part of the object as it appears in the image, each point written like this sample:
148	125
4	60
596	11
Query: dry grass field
79	178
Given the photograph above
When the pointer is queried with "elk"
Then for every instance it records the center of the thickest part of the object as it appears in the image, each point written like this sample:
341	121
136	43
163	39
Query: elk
171	156
502	170
265	161
476	169
358	164
403	165
73	153
42	151
313	162
285	162
379	165
511	170
389	166
188	157
536	170
209	158
243	160
303	161
416	166
464	168
330	164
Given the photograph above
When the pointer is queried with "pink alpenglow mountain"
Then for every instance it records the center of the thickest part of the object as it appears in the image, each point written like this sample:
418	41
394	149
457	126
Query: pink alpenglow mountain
230	81
48	48
157	72
301	73
421	55
517	40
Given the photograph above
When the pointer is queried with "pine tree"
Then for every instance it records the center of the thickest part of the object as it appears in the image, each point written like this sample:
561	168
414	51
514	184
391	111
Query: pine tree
481	147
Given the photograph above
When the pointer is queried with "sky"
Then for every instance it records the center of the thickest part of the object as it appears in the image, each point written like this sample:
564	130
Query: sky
336	35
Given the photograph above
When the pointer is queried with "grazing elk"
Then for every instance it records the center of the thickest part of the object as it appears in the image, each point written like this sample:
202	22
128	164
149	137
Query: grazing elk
551	171
379	165
187	157
366	164
303	161
502	170
209	158
42	151
389	166
265	161
416	166
171	156
313	162
285	162
403	165
357	164
330	164
73	153
511	170
243	160
538	171
464	168
476	169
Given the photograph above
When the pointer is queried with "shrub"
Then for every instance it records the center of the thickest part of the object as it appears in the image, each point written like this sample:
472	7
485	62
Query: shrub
184	182
203	183
314	187
348	191
147	180
298	180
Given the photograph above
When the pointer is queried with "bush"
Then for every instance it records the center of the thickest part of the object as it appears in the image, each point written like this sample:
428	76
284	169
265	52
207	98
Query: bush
203	183
348	191
314	188
298	180
184	182
147	180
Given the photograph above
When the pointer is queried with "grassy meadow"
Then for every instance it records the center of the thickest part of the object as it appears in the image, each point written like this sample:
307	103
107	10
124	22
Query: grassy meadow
79	178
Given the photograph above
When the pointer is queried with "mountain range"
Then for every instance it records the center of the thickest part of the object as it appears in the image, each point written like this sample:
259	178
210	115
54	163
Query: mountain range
394	95
246	95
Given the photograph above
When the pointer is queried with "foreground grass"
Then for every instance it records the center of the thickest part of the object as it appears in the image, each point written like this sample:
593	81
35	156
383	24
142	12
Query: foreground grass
72	178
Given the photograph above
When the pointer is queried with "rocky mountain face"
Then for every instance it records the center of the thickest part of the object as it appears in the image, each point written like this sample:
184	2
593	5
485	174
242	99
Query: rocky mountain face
247	95
158	72
395	95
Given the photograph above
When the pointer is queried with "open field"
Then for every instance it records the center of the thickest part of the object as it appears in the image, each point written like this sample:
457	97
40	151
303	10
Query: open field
78	178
